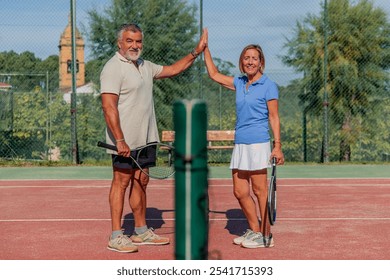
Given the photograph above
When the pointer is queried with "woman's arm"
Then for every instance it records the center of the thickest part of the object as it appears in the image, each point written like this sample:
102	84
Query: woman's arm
212	70
275	126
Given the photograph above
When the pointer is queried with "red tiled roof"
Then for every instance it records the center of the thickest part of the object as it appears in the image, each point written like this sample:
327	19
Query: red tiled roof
4	85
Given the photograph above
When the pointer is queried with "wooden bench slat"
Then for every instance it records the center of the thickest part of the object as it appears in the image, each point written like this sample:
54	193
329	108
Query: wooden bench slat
212	136
220	135
168	136
219	147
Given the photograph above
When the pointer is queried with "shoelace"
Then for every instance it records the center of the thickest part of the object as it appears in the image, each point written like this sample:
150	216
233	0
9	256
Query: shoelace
151	234
256	236
248	231
123	239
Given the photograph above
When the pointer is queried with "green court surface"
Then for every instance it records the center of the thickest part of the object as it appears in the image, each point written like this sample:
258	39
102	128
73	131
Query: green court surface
287	171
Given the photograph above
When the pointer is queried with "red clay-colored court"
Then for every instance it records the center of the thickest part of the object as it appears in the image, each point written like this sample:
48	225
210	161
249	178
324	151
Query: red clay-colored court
318	219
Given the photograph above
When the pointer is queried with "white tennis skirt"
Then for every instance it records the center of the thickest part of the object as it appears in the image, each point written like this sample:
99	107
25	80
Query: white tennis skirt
251	156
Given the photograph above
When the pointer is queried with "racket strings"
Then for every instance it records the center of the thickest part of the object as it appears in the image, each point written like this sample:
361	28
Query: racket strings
271	203
164	165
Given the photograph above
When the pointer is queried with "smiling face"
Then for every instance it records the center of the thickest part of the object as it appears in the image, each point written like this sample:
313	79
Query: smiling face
130	44
252	61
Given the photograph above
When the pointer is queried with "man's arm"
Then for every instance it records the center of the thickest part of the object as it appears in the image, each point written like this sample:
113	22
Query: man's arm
111	115
184	63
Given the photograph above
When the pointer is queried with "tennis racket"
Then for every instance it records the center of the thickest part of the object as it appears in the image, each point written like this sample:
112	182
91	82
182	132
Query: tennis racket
271	202
163	167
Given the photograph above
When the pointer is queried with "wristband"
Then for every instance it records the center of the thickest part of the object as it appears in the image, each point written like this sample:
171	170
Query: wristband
280	143
120	140
194	53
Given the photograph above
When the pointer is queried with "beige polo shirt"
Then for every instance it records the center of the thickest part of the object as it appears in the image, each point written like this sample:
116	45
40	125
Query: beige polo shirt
135	89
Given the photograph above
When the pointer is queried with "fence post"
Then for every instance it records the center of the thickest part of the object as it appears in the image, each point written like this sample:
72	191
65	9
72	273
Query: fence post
191	194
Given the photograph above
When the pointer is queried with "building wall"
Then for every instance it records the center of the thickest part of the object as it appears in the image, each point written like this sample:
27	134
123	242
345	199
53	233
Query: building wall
65	56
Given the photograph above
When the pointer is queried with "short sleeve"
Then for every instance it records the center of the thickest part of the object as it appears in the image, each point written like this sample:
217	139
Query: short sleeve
156	69
238	81
272	92
111	78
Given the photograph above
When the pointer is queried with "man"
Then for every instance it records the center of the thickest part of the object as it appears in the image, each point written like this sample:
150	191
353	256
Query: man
127	102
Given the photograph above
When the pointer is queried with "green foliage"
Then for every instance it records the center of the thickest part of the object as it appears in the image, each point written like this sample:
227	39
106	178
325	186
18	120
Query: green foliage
170	30
26	136
220	101
25	72
91	127
34	122
51	66
357	64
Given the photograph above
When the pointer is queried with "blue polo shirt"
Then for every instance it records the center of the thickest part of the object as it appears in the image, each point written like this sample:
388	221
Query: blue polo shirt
251	109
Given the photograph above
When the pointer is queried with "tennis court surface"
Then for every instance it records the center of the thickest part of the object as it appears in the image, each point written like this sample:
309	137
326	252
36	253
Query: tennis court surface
318	219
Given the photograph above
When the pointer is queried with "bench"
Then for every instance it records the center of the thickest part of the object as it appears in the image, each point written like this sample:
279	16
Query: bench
212	137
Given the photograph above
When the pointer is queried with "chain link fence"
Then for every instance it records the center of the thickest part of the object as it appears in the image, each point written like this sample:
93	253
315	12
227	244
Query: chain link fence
331	63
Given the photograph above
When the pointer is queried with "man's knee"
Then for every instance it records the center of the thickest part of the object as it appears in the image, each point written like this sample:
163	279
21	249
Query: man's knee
142	178
121	178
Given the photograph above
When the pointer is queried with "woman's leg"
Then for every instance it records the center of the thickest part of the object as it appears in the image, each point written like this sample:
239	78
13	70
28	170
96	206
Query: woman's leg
260	190
241	190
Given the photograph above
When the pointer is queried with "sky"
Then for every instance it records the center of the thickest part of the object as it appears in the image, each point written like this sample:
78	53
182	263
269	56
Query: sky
36	25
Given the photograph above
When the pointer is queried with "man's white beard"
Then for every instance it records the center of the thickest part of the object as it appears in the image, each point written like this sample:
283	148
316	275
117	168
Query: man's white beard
133	57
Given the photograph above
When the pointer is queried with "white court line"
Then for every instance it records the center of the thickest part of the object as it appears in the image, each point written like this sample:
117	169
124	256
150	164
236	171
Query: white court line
332	185
86	180
212	219
150	187
218	179
315	185
75	187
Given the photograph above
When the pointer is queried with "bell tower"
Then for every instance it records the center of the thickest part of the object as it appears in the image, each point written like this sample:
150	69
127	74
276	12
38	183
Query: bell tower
65	59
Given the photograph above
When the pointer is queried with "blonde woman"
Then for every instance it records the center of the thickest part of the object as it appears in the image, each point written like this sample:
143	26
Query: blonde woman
256	111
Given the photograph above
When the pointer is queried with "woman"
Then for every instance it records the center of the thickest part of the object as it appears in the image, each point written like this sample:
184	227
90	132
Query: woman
256	109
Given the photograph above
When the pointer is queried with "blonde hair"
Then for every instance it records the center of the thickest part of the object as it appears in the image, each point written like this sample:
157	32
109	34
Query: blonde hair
261	57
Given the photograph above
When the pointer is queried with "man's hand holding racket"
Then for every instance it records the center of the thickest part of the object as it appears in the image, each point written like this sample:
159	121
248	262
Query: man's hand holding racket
161	169
122	148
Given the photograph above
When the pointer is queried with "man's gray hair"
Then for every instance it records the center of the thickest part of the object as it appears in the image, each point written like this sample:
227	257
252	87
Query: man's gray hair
129	27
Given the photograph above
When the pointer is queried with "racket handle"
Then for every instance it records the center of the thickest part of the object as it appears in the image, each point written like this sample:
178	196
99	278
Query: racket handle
107	146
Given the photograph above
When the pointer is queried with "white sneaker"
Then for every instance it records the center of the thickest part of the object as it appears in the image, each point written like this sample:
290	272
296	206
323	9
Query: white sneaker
257	240
121	244
246	235
149	238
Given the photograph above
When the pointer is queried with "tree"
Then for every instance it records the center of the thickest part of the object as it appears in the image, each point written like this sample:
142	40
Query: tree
51	66
358	61
25	120
169	34
27	71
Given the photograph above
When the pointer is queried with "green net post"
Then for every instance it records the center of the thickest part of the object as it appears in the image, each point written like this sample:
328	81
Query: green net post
191	194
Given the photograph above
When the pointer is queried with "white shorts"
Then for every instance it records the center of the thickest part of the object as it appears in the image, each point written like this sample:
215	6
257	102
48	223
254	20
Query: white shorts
251	156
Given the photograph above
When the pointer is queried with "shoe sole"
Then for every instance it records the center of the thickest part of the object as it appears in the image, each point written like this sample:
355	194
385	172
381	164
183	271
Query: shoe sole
122	251
150	243
257	246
